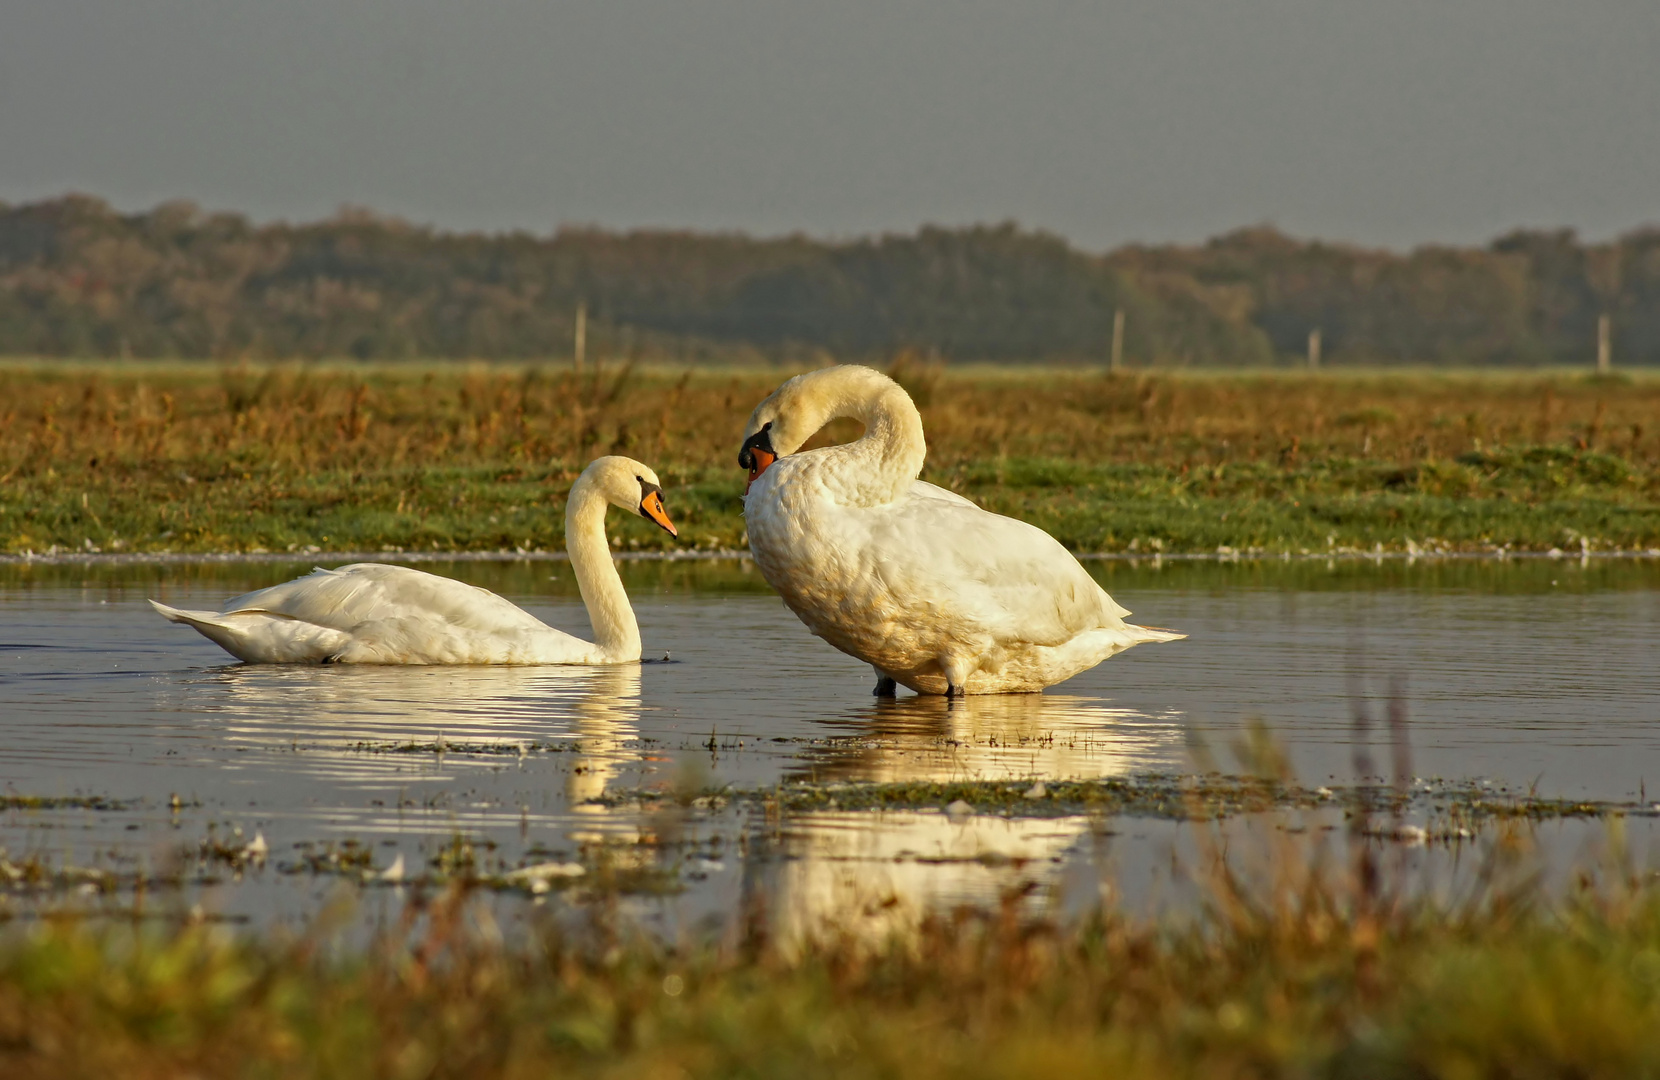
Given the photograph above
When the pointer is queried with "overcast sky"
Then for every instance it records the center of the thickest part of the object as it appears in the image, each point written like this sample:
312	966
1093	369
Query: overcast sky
1390	122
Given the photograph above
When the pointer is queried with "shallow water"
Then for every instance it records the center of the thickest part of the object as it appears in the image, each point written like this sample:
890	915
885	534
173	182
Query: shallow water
1533	673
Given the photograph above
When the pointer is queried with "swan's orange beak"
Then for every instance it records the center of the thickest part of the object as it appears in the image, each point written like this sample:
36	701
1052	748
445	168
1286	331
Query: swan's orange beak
652	507
760	459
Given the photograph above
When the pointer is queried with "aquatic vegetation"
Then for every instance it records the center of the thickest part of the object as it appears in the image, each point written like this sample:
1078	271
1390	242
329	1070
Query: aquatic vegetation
1294	965
13	801
1204	797
305	458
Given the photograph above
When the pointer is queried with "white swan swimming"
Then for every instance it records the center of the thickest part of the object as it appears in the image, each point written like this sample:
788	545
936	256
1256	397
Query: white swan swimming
920	583
373	613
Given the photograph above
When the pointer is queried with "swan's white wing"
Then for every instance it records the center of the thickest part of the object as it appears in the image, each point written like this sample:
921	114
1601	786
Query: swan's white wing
363	592
1008	578
924	490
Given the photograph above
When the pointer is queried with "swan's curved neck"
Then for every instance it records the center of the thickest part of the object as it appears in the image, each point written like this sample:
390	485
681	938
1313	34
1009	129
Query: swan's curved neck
615	631
879	466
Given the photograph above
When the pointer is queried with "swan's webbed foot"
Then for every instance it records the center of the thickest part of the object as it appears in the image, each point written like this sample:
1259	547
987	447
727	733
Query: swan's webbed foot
885	687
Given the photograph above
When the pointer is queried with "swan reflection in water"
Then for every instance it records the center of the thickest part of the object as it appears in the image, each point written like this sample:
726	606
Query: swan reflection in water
996	737
878	874
341	720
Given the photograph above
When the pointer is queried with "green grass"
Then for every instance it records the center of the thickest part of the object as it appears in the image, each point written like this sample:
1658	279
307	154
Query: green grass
262	509
140	458
1534	499
1102	508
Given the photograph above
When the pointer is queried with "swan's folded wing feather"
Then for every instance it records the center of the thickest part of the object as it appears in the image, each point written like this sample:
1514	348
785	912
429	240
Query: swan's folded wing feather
921	489
1012	579
350	595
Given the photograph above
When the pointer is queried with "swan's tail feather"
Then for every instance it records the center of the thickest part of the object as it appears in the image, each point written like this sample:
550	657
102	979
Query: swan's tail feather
260	637
1157	633
190	618
210	624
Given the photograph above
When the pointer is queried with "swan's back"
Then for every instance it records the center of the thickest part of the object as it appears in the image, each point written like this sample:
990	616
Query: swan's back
1011	578
349	596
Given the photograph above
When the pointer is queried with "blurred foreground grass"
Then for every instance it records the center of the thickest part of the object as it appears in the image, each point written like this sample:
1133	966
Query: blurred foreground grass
151	457
1333	972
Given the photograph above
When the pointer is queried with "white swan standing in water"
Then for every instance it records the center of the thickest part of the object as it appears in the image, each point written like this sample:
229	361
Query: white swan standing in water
372	613
920	583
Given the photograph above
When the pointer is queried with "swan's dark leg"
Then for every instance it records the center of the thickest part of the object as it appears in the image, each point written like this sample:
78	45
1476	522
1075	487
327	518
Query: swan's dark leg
885	687
956	671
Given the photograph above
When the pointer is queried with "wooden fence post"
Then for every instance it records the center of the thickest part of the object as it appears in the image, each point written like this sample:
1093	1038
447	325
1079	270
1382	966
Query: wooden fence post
1605	346
581	344
1116	363
1314	350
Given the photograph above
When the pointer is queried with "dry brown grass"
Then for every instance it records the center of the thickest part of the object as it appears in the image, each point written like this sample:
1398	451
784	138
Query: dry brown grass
315	417
1220	419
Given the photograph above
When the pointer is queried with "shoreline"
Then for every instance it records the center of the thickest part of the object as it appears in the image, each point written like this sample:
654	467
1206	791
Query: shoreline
138	558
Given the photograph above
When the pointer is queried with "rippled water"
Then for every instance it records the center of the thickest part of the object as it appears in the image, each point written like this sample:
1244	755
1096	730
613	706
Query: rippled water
1531	673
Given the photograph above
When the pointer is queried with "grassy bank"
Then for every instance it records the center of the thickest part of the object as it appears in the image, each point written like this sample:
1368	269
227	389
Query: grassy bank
288	458
1318	973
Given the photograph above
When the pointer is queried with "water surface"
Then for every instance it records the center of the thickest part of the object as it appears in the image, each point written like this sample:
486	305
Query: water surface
1532	673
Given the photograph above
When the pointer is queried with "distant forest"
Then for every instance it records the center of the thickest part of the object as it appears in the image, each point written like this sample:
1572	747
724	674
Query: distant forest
78	279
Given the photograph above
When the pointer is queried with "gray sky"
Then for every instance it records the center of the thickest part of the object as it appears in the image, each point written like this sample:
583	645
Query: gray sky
1390	122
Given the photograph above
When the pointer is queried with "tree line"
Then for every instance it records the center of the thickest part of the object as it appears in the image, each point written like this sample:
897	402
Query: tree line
78	278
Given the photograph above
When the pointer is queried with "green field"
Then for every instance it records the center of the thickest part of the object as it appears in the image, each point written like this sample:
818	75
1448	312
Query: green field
141	457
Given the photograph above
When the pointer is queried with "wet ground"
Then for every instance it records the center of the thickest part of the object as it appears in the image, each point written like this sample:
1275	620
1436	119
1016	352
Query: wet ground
136	759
